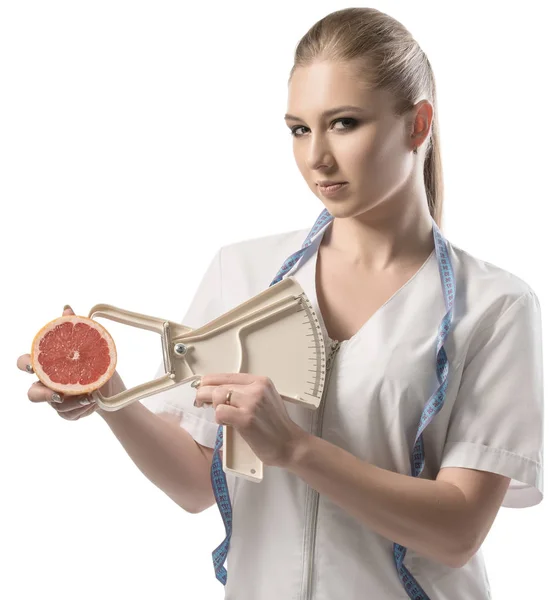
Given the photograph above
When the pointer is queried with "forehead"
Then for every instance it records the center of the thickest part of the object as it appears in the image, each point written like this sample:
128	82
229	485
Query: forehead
324	85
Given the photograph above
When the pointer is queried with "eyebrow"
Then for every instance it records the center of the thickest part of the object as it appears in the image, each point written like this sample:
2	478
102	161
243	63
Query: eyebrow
328	113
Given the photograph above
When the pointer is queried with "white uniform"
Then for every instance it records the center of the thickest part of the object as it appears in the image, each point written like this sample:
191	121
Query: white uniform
288	541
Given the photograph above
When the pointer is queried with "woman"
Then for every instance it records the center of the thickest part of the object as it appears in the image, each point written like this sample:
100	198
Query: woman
433	415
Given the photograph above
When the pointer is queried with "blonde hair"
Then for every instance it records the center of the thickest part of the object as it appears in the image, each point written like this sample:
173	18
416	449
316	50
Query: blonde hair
385	56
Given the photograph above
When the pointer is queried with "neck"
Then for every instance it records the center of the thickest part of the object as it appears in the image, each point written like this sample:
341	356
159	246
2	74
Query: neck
376	242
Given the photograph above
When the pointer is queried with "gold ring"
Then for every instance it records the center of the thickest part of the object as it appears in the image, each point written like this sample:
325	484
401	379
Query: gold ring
228	396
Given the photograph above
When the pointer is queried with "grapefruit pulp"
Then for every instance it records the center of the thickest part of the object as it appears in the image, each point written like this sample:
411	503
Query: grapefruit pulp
73	355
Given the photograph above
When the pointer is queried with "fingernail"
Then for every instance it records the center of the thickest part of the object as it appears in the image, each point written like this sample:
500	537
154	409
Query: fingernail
196	383
67	306
56	398
29	369
84	402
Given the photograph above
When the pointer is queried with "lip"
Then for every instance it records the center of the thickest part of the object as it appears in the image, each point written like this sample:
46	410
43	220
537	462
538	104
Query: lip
332	191
325	183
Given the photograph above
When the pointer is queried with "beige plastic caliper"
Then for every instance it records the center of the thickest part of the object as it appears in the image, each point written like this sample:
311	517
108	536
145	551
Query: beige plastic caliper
275	333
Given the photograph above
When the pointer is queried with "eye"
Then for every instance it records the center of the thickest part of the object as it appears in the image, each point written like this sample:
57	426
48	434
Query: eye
353	124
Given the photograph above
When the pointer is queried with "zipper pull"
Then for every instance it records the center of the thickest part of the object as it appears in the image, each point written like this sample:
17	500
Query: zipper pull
333	348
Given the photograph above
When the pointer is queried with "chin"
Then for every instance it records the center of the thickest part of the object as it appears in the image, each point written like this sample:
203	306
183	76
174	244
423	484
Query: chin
341	210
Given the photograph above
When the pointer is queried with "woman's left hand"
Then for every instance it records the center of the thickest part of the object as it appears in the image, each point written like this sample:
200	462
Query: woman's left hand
256	410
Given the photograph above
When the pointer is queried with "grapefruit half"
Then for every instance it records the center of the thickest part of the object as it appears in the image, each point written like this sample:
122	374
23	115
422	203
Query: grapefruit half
73	355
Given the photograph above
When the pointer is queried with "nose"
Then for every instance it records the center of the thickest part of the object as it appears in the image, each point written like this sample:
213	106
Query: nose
318	152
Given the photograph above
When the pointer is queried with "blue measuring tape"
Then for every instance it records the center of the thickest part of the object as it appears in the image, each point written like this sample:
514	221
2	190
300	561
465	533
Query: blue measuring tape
433	406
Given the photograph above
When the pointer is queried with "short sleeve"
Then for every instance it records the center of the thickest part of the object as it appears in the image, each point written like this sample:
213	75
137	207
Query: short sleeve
206	305
496	423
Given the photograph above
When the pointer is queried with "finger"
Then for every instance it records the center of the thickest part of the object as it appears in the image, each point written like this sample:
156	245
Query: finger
213	395
73	415
228	378
72	403
93	408
23	361
203	395
220	398
67	311
86	412
40	393
226	415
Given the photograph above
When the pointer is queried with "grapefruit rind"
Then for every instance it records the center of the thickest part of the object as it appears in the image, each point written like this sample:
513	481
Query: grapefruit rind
73	389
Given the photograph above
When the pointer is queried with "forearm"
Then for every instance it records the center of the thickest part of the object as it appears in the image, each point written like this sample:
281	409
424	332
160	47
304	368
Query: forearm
163	451
423	515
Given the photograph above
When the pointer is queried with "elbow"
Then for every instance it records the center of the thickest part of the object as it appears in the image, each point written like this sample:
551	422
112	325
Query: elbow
462	559
186	504
196	510
192	510
459	546
200	507
457	561
463	553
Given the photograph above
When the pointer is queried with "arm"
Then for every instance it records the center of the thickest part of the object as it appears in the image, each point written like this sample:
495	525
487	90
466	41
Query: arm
495	435
436	518
163	451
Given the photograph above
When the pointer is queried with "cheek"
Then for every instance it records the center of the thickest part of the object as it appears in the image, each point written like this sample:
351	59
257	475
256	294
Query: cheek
389	160
367	158
383	170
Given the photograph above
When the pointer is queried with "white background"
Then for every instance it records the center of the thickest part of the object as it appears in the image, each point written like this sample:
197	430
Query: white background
120	124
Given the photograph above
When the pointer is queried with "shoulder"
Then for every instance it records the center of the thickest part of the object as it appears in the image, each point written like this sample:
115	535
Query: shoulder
486	291
249	266
262	253
276	241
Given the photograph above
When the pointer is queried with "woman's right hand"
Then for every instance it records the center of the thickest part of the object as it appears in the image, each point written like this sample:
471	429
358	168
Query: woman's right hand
70	408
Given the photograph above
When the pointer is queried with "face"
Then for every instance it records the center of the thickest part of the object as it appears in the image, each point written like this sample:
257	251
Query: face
371	149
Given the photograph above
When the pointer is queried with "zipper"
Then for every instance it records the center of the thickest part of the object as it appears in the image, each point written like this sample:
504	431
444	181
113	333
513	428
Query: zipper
307	590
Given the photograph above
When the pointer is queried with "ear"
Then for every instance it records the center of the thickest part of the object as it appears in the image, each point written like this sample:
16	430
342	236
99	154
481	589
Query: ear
421	122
